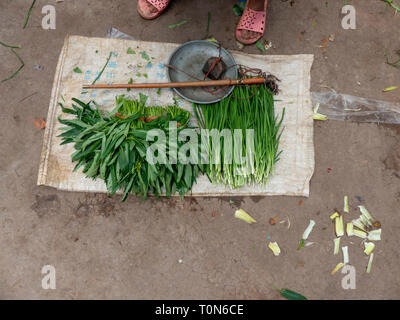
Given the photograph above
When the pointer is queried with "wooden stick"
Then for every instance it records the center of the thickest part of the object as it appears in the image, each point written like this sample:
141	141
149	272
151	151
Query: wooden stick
207	83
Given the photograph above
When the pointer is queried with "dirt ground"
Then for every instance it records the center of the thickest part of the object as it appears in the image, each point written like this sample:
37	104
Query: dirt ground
173	249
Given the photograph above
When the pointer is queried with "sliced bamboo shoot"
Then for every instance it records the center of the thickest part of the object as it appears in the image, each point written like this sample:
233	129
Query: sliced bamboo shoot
371	258
337	268
345	251
243	215
339	228
369	247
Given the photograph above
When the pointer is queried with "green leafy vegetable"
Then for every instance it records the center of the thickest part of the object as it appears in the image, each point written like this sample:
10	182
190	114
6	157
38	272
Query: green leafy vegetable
112	146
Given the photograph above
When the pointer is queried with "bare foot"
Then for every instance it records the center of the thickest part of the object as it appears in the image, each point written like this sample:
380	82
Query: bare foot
257	5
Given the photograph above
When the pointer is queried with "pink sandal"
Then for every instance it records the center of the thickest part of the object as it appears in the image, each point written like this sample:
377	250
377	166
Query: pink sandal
144	10
253	21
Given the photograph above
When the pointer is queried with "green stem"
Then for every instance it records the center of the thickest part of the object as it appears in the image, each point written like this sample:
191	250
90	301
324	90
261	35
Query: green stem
102	70
9	46
29	13
19	69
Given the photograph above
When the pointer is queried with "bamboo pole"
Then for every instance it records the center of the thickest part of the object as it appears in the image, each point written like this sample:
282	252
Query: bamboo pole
206	83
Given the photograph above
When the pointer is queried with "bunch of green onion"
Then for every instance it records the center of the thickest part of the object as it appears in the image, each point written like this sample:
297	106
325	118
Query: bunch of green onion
245	108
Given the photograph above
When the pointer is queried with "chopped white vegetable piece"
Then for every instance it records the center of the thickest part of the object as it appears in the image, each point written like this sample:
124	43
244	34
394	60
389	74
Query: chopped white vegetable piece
318	116
349	229
346	204
334	215
375	235
243	215
339	228
336	245
360	234
369	247
345	251
357	223
365	221
365	213
307	232
371	258
275	248
337	268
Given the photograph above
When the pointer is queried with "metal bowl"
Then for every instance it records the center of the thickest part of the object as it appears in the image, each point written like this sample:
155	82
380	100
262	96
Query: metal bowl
191	57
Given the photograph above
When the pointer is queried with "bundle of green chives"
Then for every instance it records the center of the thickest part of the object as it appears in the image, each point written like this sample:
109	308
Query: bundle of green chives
246	108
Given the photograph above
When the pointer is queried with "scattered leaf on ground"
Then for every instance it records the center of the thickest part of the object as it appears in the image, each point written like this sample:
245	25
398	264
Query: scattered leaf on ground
29	13
290	295
19	69
238	8
40	123
260	46
272	221
172	26
301	244
390	89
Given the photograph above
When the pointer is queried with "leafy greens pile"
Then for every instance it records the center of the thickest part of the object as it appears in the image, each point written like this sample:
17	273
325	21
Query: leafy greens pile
112	146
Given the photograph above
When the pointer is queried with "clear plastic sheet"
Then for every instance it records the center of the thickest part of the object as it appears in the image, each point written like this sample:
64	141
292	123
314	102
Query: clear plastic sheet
116	34
338	106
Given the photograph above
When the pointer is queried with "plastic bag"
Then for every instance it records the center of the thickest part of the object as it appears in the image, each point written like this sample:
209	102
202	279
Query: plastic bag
338	106
116	34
